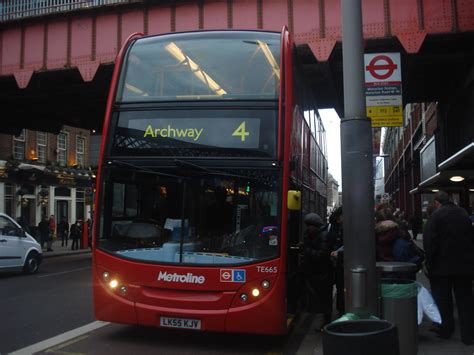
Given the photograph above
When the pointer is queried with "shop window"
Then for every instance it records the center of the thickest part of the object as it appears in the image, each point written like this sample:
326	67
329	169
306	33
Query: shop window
10	200
19	146
62	191
80	204
26	189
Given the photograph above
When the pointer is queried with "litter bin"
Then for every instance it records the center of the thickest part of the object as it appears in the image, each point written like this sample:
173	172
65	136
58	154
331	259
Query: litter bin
360	337
398	301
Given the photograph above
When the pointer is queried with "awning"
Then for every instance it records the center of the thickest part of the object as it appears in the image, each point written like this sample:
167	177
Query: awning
461	160
460	164
24	166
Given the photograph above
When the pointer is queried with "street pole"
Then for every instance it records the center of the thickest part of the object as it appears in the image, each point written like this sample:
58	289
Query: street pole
357	171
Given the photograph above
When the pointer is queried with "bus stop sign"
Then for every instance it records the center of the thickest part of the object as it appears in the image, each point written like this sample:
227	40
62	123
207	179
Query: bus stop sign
383	89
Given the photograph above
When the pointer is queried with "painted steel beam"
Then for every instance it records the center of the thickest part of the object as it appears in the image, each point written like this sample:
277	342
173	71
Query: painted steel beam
87	39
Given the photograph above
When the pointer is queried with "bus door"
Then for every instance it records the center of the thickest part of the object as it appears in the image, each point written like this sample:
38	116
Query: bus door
294	276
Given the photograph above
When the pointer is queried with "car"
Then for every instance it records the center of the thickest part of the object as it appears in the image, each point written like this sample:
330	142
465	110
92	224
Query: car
18	249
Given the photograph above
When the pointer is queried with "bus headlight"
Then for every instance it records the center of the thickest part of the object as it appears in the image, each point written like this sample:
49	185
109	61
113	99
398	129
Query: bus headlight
113	283
255	292
265	284
244	297
105	276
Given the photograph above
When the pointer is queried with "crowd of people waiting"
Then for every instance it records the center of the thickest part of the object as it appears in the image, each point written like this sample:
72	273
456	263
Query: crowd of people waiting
447	258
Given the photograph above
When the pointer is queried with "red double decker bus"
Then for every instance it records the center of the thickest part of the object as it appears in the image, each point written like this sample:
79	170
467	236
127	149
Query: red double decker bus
212	152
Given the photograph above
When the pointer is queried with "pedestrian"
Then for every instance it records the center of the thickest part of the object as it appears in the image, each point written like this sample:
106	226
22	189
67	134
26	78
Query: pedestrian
23	224
317	267
337	241
89	232
405	250
415	224
43	229
387	232
63	231
430	208
52	226
449	244
75	235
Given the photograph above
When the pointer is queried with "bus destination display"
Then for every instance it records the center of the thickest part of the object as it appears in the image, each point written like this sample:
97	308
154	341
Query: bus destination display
216	132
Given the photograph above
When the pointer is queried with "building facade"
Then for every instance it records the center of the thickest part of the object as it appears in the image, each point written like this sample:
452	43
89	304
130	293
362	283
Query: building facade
44	174
433	151
332	193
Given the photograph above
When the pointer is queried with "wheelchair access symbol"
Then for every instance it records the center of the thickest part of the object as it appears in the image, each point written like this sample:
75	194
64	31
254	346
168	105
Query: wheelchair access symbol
238	275
231	275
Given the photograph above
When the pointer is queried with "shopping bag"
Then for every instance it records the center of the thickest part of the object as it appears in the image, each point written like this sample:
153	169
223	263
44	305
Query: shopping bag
428	306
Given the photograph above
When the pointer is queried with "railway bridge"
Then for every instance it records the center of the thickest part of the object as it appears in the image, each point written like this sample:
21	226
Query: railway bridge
56	56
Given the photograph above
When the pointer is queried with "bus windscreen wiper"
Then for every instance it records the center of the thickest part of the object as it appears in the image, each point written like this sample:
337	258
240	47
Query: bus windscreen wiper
205	171
142	169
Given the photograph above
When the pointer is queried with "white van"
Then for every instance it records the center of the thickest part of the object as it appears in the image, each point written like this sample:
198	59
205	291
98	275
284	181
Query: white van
18	249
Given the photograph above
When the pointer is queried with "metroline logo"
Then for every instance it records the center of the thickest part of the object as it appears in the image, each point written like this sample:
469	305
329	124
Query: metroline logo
187	278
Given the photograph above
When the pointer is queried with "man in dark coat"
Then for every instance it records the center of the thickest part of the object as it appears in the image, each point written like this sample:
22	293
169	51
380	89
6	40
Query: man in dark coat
337	242
449	244
63	231
43	229
317	267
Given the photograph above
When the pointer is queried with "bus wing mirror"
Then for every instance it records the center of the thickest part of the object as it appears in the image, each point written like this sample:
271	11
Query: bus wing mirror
294	200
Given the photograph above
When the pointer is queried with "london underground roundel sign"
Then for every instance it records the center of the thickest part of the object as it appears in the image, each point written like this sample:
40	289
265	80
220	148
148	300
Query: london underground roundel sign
382	67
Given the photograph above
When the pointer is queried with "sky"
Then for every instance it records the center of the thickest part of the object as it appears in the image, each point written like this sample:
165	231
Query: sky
331	122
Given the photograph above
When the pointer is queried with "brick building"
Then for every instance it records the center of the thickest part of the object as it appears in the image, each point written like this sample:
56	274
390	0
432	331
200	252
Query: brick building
43	174
433	151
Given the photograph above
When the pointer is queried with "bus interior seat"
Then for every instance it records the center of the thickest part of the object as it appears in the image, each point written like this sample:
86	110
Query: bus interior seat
118	230
143	230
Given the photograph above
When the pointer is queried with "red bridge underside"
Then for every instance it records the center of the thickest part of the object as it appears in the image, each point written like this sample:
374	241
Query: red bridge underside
88	38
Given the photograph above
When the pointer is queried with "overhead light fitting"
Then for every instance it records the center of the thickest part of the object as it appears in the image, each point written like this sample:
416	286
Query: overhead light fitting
270	58
472	190
434	190
176	52
135	90
456	178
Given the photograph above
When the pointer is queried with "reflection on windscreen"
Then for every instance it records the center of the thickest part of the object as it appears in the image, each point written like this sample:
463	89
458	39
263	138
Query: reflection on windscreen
201	219
200	66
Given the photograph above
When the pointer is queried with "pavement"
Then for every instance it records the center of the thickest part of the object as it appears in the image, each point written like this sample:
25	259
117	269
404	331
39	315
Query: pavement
428	342
59	250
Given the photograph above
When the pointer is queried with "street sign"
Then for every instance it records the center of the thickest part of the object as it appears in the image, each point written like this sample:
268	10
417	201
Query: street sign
383	89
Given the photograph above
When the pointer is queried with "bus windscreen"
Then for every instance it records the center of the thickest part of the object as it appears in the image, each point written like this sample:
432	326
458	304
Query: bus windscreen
202	66
206	216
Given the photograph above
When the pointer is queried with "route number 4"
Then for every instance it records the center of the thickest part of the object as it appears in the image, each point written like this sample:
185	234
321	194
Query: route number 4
240	131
